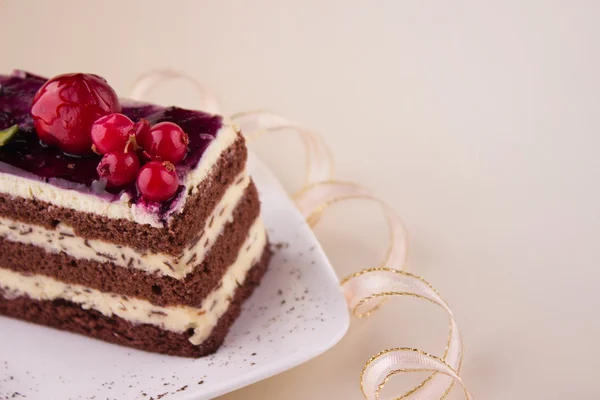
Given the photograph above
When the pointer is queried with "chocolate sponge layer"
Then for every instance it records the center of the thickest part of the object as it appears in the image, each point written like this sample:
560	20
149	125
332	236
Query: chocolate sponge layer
172	239
69	316
158	289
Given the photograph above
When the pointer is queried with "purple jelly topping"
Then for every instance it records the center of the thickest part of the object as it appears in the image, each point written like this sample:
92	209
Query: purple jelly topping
25	156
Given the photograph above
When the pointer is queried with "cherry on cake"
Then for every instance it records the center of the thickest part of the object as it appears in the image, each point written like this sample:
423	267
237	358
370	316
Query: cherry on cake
127	222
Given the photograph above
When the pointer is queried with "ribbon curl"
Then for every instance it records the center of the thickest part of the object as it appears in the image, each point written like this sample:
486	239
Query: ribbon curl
365	290
319	159
144	83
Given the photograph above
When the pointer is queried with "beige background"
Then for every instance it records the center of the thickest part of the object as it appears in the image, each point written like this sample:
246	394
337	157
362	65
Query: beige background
477	120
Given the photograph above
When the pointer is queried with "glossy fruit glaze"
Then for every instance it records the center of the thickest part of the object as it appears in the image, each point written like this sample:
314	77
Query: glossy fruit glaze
26	156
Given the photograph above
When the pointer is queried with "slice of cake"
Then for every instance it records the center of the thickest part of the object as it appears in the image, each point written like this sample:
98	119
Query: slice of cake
127	222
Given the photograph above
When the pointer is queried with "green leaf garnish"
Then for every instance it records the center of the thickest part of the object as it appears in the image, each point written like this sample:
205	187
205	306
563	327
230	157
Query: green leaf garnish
7	134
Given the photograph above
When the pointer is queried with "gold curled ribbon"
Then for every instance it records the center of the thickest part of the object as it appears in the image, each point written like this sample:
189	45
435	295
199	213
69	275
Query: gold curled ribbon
365	290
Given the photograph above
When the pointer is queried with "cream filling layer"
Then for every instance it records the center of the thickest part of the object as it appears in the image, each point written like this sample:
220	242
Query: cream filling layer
172	318
122	208
63	238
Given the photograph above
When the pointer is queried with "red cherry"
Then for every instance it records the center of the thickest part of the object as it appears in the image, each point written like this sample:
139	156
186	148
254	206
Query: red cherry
165	141
66	106
118	168
158	181
111	133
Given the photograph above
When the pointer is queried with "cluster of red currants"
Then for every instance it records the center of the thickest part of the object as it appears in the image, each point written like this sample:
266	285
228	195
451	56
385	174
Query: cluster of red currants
123	143
80	113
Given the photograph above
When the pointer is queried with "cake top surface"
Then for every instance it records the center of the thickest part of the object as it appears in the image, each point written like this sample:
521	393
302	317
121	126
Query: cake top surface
28	157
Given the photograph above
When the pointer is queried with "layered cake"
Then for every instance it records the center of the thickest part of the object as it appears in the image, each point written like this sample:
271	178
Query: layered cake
127	222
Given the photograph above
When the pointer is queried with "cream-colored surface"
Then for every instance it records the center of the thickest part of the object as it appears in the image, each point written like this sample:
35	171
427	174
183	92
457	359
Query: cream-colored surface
122	208
477	120
63	238
173	318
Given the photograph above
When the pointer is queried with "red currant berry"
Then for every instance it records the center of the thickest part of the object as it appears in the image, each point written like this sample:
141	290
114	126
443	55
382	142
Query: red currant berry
165	141
66	106
141	129
111	133
158	181
118	168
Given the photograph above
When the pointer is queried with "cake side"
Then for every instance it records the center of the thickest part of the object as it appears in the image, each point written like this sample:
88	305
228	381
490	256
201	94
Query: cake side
198	321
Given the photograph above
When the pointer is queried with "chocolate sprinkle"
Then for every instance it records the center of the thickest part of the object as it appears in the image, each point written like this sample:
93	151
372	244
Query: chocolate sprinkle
169	265
195	241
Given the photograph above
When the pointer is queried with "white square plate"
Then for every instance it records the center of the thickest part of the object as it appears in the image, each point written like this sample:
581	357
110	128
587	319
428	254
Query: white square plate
297	313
